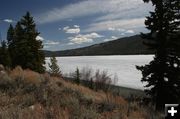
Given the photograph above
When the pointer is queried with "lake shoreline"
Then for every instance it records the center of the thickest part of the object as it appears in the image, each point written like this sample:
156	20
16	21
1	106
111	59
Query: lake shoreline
124	66
105	55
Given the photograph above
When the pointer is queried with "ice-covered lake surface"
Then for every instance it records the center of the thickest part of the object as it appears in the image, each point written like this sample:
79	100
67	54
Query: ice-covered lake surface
121	65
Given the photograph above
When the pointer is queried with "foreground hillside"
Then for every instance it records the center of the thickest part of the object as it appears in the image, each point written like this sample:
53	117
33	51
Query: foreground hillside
25	94
123	46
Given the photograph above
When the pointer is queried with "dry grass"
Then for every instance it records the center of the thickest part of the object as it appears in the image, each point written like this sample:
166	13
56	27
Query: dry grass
27	75
16	73
54	98
99	96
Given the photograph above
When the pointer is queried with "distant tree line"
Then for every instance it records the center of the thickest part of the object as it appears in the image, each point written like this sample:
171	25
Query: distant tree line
22	47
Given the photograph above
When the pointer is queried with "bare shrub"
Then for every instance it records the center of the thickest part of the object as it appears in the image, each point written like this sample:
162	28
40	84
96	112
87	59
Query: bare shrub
86	73
5	81
87	76
97	80
102	80
17	73
32	77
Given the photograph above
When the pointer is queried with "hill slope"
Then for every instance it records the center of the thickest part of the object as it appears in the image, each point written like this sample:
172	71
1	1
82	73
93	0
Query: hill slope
25	94
123	46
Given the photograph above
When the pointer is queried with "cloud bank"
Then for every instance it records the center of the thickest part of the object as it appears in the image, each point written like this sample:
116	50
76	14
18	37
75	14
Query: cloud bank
74	30
87	38
115	25
111	9
110	39
50	42
8	20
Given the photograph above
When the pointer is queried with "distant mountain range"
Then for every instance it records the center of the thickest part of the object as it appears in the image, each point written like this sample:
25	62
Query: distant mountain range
132	45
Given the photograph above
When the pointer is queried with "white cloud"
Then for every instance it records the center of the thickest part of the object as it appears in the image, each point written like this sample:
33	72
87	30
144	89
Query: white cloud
93	35
49	42
111	29
8	20
121	30
69	20
65	28
76	26
40	38
70	43
110	39
128	11
116	24
114	37
122	34
75	30
110	10
116	29
46	47
129	31
80	39
87	38
106	40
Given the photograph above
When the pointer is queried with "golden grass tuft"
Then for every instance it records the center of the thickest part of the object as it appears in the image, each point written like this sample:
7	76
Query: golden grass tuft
27	75
32	77
16	73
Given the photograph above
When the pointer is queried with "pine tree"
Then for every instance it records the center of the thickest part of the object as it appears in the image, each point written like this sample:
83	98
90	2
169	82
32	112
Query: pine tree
11	45
24	49
54	68
18	47
163	73
10	35
35	58
4	57
77	76
91	86
10	40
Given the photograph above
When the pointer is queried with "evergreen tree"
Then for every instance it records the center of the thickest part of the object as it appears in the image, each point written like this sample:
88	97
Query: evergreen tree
35	58
10	35
163	73
18	47
77	76
54	68
24	49
4	57
91	86
10	40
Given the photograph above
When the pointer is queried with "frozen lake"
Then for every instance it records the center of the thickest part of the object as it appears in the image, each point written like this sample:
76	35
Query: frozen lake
121	65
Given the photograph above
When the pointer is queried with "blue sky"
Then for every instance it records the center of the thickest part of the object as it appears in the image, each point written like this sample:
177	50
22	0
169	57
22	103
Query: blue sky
67	24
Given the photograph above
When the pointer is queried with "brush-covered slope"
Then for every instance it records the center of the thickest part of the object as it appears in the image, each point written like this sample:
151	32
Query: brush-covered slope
25	94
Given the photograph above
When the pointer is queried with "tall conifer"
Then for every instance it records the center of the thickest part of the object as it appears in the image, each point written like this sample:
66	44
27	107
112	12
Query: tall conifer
25	50
4	55
163	73
35	58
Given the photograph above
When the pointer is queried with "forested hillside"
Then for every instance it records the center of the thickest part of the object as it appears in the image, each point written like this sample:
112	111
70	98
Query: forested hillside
123	46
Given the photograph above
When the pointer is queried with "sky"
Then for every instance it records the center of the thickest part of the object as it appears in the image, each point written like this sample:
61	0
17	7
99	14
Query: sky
69	24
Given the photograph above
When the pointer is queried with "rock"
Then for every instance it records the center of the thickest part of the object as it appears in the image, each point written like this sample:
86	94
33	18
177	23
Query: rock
1	67
2	72
32	107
